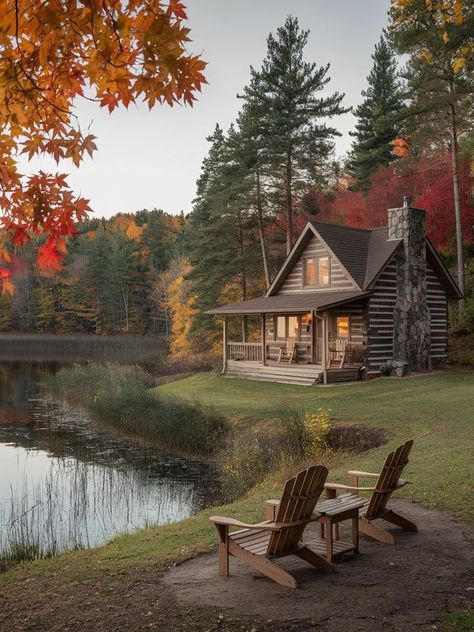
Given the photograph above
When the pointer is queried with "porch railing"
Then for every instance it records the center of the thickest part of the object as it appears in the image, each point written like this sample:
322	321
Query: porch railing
251	351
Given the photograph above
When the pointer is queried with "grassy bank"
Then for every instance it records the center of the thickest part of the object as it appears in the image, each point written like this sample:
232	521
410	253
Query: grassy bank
120	397
435	410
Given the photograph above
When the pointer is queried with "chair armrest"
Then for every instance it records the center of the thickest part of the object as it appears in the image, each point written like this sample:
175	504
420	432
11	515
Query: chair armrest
268	526
348	487
364	474
231	522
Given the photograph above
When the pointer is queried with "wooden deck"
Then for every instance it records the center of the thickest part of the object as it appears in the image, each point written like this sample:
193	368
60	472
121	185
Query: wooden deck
300	374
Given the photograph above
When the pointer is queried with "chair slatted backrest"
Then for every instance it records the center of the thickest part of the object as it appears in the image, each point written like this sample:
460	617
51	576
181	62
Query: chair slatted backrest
388	479
297	503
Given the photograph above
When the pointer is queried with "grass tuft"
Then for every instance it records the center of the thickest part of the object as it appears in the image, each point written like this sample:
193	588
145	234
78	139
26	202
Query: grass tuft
119	396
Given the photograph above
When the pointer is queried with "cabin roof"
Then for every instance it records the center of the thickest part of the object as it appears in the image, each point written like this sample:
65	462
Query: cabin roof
363	252
300	302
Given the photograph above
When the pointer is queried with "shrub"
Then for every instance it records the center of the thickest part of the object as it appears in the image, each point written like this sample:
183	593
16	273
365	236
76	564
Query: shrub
305	433
242	467
120	397
317	426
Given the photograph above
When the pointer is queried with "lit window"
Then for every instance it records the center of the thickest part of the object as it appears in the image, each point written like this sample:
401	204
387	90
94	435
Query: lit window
292	326
309	274
323	271
281	327
342	327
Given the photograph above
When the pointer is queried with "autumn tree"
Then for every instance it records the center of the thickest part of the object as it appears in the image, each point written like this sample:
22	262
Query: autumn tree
377	126
292	115
53	52
437	36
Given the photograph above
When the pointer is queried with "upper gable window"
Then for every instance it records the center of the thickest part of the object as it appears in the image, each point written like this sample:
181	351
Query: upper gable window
309	272
316	272
324	273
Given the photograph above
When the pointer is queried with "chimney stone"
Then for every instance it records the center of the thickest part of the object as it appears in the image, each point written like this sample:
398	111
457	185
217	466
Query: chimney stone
412	323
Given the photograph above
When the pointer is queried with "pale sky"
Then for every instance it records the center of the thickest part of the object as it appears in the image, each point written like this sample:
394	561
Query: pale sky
152	159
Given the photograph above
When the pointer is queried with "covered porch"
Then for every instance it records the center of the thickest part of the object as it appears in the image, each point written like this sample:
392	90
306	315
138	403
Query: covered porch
299	346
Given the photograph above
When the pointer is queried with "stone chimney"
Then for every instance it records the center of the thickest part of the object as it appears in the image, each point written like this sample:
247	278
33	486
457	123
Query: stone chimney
412	326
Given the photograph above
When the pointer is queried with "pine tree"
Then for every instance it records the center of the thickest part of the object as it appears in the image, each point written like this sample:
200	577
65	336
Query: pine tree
377	117
440	76
222	245
284	96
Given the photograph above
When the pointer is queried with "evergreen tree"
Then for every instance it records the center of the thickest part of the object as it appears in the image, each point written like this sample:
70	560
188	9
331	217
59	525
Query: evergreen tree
440	76
223	251
377	117
284	95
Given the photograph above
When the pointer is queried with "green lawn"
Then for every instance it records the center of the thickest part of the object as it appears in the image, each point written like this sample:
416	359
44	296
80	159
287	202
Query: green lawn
436	410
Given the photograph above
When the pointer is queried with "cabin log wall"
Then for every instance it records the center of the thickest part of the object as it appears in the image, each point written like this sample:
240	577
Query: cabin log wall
437	305
380	314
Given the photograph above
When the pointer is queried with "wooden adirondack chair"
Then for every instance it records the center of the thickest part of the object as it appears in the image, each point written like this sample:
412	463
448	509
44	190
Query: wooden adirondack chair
288	353
388	480
258	544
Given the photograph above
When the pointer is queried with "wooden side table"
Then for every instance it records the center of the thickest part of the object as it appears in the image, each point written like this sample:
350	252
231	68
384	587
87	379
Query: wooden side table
331	512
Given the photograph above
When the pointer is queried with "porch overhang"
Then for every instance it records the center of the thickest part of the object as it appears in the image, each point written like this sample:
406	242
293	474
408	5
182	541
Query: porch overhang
295	303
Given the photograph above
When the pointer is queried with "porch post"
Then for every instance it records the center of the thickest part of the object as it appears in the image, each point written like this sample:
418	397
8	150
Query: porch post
224	344
264	344
313	337
324	350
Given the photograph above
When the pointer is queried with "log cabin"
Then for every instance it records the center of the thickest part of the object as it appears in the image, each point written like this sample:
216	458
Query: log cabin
348	303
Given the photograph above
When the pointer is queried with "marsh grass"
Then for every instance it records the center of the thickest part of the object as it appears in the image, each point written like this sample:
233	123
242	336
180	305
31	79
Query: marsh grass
120	397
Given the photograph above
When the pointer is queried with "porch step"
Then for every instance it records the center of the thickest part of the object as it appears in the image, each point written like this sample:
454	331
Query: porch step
342	375
302	376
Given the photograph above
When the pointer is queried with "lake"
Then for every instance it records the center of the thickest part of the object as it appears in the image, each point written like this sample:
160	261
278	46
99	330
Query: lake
66	483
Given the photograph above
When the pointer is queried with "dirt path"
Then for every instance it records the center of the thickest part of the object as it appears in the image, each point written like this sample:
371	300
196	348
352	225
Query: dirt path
387	588
404	587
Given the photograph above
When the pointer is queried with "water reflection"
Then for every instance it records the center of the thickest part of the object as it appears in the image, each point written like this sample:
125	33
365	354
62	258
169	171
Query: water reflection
65	483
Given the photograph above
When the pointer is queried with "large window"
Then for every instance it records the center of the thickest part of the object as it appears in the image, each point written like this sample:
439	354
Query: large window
281	327
287	327
342	327
316	272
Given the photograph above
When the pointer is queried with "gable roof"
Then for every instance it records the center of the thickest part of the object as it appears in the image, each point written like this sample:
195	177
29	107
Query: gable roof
444	275
362	252
381	250
349	245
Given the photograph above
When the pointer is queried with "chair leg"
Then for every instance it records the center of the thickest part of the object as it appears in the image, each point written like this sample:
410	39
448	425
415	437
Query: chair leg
307	554
398	520
223	531
382	535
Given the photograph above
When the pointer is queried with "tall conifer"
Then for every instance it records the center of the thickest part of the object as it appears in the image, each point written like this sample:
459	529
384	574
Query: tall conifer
285	96
377	117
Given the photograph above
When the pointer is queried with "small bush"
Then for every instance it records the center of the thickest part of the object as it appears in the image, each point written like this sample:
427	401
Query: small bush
317	427
305	433
242	467
120	397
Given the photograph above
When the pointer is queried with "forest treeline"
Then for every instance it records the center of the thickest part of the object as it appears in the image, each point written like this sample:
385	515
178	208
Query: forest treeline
264	177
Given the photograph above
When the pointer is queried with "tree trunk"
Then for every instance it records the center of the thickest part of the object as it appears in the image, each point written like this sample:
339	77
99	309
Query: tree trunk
125	304
243	281
261	233
457	196
289	202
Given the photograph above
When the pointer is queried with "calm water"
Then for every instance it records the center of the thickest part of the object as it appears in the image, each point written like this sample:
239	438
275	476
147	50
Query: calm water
65	483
